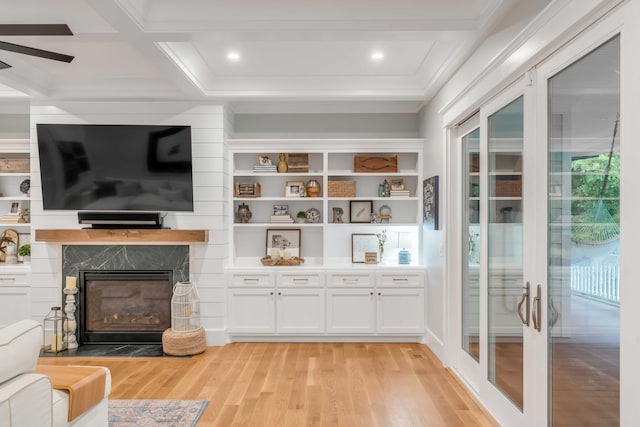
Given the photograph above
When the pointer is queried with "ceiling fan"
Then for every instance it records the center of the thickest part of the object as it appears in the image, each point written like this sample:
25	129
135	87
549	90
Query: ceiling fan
33	30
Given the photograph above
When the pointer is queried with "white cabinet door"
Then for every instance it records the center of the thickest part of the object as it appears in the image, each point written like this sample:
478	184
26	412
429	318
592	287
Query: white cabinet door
350	310
251	311
400	311
14	304
300	310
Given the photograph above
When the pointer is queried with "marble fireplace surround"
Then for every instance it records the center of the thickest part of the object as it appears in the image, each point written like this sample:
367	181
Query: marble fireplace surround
82	258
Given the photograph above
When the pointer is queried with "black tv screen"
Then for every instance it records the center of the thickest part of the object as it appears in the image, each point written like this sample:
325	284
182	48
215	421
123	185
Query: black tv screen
115	167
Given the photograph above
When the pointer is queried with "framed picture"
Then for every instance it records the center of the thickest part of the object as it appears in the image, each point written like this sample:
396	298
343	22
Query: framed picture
430	202
283	242
361	245
14	209
294	189
360	210
281	209
397	184
264	160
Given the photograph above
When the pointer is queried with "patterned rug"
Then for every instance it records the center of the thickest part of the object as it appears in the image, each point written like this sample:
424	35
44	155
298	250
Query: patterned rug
156	413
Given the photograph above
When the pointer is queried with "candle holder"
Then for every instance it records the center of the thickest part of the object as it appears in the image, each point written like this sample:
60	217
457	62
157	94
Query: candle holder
70	324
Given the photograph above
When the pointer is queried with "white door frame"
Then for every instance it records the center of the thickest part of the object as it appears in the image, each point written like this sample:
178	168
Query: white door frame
536	389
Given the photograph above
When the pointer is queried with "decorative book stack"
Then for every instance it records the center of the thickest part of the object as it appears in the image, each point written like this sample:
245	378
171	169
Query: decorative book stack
399	193
265	168
281	219
298	162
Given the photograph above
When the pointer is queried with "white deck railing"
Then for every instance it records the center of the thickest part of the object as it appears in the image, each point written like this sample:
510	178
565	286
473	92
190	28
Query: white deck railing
598	281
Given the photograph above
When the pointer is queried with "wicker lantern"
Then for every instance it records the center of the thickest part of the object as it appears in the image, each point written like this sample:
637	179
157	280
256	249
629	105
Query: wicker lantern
185	308
186	336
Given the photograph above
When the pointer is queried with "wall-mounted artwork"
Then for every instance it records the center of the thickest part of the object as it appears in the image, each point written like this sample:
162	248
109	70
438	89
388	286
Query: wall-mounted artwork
430	203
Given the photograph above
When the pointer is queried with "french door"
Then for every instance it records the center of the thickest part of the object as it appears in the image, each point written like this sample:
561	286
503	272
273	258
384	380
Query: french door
540	202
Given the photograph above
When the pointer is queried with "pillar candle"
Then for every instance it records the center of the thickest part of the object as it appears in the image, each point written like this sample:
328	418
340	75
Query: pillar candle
71	282
275	253
56	342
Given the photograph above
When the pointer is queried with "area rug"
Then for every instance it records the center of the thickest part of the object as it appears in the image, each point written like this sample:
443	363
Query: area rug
176	413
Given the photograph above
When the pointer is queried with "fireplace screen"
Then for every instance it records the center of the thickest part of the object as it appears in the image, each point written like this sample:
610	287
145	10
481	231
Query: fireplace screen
125	306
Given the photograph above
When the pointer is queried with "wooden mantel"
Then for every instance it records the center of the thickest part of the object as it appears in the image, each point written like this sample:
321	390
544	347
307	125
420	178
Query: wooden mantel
89	235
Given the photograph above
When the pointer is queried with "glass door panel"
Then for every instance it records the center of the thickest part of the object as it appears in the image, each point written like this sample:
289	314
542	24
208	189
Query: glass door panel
583	240
471	243
505	134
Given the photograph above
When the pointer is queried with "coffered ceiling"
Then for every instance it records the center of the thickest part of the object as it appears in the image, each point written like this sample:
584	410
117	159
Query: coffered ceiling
286	50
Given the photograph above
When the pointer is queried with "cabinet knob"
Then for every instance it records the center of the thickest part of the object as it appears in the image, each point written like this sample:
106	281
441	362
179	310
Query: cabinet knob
270	293
370	293
379	293
279	293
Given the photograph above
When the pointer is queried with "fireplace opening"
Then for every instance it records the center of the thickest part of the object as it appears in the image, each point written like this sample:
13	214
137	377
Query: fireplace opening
118	307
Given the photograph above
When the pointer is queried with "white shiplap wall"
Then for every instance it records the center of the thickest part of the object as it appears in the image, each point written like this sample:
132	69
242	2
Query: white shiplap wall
209	128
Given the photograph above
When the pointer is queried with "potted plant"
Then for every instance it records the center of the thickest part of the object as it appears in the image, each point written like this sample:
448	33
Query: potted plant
301	216
25	252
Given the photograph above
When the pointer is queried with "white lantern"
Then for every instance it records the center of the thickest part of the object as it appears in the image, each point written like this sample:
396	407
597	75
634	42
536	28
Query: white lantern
185	308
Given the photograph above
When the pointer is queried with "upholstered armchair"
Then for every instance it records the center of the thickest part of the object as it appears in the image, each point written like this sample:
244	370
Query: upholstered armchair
27	398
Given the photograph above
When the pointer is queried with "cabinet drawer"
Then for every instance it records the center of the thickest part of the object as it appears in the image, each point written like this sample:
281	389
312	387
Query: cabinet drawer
350	279
13	279
402	279
251	279
299	279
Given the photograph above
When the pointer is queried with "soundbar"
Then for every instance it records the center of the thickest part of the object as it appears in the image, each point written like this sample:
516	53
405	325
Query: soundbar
121	219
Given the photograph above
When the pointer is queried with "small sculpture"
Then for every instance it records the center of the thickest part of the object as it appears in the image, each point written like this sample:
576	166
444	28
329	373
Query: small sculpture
243	215
282	164
337	215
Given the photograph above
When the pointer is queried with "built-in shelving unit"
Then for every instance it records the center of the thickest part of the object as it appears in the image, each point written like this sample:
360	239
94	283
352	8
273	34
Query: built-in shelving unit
327	242
328	295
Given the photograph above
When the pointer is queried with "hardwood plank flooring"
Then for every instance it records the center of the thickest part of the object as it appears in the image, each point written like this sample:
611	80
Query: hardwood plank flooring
302	384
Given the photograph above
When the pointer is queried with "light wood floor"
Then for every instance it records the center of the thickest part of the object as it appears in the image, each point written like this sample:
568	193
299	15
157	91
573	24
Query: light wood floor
302	384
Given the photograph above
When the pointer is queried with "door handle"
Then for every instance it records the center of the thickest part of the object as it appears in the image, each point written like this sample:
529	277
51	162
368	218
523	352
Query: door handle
525	298
536	313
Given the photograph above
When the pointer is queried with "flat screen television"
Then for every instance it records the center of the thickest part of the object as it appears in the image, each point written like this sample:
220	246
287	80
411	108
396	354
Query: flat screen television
90	167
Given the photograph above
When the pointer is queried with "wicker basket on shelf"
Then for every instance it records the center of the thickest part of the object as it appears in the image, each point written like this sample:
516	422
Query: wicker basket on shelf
281	261
341	189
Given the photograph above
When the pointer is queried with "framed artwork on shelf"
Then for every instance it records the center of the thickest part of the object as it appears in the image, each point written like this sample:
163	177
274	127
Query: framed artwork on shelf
294	189
264	160
362	245
14	208
281	209
283	243
397	184
360	210
430	203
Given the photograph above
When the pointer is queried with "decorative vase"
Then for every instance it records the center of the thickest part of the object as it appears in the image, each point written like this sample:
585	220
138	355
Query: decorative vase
282	163
243	215
313	188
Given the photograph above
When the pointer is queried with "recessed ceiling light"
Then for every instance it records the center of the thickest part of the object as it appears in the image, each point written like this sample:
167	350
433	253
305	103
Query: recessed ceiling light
377	55
233	56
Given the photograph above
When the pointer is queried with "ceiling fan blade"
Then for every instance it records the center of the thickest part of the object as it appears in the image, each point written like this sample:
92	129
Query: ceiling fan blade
35	30
35	52
4	65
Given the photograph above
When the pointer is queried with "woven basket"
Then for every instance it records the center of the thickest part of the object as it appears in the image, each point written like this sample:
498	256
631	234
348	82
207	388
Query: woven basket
183	343
281	261
342	189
